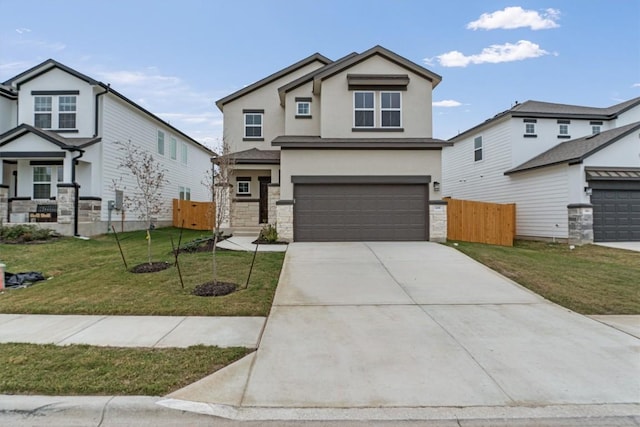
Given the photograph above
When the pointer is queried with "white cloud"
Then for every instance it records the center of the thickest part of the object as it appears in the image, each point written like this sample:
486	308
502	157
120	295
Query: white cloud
516	17
493	54
22	30
635	85
446	103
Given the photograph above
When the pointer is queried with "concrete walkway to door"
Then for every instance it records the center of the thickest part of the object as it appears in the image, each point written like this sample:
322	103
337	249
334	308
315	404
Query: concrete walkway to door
418	331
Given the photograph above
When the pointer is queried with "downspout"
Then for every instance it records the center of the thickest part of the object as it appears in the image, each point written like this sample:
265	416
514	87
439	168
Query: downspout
95	129
76	198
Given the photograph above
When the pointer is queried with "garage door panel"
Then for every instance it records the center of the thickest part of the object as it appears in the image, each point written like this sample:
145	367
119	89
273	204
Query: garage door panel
616	215
350	212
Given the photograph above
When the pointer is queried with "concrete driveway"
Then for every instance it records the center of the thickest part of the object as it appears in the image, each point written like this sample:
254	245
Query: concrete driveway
414	331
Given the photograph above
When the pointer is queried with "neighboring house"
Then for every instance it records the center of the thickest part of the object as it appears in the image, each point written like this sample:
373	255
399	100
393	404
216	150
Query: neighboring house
573	171
338	151
59	159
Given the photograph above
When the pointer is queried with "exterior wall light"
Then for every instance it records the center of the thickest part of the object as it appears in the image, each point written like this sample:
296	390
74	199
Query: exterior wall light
436	186
588	191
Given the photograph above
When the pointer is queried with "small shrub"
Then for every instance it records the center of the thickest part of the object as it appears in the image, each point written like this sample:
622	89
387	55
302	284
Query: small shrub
268	234
25	233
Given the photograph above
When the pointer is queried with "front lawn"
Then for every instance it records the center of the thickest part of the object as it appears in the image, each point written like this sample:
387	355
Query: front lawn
589	279
86	370
88	277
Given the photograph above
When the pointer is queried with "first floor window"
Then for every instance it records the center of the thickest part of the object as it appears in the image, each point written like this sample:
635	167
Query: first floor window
42	112
253	125
161	142
184	193
44	177
390	110
243	186
364	109
67	112
477	149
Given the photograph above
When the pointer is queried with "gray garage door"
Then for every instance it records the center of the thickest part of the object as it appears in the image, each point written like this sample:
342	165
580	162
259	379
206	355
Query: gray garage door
360	212
616	215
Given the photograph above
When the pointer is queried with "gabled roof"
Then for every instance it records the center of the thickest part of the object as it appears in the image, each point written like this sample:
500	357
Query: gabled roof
576	150
309	77
538	109
376	50
273	77
54	138
50	64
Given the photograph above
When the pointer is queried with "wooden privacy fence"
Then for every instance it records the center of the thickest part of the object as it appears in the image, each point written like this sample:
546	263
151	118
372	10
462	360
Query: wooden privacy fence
481	222
196	215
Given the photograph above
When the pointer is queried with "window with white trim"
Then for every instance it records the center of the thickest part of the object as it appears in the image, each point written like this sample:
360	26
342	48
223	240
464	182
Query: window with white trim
44	180
529	128
253	125
66	112
243	186
363	109
43	110
183	153
595	129
303	108
173	148
161	142
563	129
184	193
477	149
390	109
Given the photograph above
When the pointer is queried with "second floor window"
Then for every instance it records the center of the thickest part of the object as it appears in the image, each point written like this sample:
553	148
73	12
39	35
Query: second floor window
43	111
173	148
303	108
477	149
364	109
530	128
161	142
390	110
253	125
54	112
595	129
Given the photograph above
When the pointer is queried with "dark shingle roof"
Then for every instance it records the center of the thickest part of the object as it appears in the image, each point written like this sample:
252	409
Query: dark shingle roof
539	109
254	155
576	150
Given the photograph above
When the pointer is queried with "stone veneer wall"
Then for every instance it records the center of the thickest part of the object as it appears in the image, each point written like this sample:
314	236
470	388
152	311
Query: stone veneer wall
438	221
284	221
65	199
4	204
89	210
274	195
245	213
26	206
580	224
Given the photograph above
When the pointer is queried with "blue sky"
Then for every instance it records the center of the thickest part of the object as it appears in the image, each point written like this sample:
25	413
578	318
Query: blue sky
176	58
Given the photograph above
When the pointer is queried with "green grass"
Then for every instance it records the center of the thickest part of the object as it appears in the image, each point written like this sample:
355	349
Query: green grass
88	277
86	370
589	279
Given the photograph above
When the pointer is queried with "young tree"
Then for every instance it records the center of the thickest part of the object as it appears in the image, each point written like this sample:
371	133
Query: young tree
149	176
219	182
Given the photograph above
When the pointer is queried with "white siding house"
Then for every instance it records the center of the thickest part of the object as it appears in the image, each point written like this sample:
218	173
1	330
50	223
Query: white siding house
59	159
541	156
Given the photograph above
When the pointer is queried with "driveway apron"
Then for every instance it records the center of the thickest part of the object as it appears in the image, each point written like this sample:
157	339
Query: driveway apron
398	325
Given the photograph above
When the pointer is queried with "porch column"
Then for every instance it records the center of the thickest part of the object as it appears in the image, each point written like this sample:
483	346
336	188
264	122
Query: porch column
284	219
67	167
4	202
438	220
66	199
580	224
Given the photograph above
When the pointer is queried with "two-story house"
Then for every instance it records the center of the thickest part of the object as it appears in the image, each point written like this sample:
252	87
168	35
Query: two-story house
59	160
338	150
573	171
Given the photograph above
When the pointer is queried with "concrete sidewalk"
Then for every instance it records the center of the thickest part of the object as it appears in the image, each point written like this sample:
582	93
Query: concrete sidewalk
245	243
382	331
131	331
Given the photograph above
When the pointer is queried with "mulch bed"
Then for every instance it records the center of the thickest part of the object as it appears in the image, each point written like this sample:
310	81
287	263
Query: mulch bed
266	242
150	268
213	289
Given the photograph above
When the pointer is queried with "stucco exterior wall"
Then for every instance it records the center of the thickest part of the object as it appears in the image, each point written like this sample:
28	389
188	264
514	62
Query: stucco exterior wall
8	114
337	103
351	162
265	98
302	126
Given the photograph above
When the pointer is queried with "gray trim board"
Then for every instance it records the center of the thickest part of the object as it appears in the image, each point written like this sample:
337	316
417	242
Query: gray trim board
55	92
284	202
253	111
579	205
307	116
438	202
253	139
303	99
361	179
28	154
247	200
377	129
